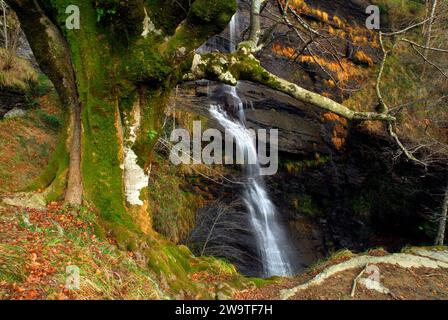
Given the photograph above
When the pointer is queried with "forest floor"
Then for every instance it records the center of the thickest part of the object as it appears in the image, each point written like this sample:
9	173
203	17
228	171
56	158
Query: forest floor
402	282
28	142
37	245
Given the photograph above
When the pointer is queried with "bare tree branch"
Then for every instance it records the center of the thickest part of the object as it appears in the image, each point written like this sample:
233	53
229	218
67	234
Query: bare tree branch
242	65
423	47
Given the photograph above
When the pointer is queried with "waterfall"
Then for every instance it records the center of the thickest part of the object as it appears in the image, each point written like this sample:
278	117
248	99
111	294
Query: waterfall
270	234
233	28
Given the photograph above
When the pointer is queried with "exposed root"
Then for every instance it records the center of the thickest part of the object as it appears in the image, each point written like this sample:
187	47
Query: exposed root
432	260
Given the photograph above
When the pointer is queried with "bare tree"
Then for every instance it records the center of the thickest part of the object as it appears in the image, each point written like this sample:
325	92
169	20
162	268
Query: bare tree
442	221
11	32
430	23
220	230
5	24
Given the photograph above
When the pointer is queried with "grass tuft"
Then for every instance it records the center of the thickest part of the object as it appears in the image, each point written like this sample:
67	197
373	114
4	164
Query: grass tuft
16	73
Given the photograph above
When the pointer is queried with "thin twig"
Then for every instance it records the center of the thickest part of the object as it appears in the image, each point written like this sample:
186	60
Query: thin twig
355	282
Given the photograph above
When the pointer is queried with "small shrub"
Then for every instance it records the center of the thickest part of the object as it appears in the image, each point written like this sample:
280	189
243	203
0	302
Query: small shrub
52	121
48	120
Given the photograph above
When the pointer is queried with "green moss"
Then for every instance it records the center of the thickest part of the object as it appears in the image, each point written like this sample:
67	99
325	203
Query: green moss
102	176
127	94
173	207
261	282
99	231
166	15
305	205
213	12
175	265
398	10
296	167
171	264
145	64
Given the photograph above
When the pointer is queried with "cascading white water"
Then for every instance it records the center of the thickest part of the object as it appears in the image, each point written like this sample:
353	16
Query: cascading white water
233	27
272	242
270	234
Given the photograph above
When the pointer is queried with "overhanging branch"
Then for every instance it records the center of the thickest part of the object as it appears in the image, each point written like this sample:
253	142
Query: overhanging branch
242	65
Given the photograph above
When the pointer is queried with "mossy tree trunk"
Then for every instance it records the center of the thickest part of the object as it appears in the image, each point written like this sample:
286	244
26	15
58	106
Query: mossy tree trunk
125	51
53	54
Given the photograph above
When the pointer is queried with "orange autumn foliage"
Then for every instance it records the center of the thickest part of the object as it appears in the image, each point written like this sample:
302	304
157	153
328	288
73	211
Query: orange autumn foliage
330	116
363	57
340	132
284	51
338	22
342	74
357	35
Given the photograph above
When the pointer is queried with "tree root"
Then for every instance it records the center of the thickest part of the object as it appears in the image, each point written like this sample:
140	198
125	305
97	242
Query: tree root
404	260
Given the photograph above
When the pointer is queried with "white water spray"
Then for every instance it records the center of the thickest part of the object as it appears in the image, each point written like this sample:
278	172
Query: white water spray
272	242
270	234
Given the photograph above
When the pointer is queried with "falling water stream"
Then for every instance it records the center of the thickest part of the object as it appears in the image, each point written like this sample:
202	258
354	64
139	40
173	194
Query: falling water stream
272	242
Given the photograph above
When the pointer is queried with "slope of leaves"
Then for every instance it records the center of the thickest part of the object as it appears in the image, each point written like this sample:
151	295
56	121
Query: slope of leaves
36	246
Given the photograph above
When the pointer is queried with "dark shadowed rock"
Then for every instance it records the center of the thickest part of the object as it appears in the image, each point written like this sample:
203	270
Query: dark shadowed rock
9	100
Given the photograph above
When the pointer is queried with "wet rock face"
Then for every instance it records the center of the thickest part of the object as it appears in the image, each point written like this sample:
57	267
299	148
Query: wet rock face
299	129
10	98
355	196
300	136
362	196
301	132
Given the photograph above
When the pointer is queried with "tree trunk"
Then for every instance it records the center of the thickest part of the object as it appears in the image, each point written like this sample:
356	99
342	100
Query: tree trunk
428	33
255	26
100	71
442	222
54	57
5	25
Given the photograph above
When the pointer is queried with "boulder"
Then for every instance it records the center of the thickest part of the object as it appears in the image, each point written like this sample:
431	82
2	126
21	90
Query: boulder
15	113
